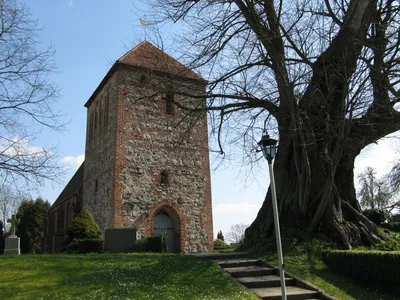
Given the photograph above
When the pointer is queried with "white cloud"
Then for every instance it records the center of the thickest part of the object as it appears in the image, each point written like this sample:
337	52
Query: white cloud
380	156
70	3
73	162
20	146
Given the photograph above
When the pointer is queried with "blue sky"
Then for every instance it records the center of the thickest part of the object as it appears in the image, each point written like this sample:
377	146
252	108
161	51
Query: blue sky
88	37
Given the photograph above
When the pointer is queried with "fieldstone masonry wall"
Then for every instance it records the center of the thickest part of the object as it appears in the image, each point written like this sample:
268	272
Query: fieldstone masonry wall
150	141
99	155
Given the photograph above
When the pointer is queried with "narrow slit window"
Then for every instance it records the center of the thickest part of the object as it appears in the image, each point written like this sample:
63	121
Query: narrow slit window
106	110
96	112
96	186
101	118
90	126
164	177
169	103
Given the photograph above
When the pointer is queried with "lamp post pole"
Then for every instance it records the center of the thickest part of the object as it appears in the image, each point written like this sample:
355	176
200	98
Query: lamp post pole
277	230
268	147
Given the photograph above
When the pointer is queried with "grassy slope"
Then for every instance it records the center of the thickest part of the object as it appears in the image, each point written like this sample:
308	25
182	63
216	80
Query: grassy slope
305	262
108	276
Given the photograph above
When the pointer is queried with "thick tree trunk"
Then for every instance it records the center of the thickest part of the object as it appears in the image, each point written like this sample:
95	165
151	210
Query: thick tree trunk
315	197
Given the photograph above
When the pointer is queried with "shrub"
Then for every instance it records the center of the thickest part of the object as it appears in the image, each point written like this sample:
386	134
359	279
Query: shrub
220	236
392	226
30	229
86	245
220	244
386	246
378	216
84	235
368	266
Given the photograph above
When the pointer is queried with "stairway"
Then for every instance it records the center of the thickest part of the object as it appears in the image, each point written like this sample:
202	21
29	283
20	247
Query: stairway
262	279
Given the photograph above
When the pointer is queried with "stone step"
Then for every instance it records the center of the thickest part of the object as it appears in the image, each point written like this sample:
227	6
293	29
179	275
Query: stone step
264	281
250	271
234	263
292	293
222	256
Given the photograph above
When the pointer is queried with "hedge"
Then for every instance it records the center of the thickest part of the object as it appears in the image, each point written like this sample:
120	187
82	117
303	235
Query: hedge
392	226
86	245
368	266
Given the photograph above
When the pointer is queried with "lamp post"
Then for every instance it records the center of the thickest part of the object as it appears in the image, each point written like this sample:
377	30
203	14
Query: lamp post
268	148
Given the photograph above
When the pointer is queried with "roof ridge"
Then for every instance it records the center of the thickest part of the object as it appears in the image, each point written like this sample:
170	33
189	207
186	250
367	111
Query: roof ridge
154	58
133	49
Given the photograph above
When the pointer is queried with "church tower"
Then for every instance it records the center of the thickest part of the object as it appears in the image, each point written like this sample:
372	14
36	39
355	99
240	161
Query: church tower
146	159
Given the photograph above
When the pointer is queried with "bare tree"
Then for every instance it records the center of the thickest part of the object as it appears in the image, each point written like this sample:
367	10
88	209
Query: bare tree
9	202
236	234
26	98
323	75
374	193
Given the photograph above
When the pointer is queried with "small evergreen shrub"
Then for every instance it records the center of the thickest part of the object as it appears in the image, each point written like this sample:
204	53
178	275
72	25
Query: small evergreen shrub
220	236
392	226
164	243
368	266
220	244
378	216
84	235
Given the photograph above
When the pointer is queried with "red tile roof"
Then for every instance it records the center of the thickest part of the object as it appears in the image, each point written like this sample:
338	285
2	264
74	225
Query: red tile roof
146	55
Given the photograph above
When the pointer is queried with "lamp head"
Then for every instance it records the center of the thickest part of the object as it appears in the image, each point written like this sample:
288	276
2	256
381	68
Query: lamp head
268	147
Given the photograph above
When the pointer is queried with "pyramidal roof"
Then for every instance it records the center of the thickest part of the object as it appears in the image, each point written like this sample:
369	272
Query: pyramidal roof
146	55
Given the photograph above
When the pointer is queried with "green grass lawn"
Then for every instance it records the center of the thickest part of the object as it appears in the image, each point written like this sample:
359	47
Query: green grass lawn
304	261
115	276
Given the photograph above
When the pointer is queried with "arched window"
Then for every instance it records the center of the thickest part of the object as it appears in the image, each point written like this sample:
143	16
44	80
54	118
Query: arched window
169	103
164	177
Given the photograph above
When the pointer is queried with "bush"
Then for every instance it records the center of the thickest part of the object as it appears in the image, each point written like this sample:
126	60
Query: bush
392	226
368	266
220	244
378	216
86	245
84	235
30	229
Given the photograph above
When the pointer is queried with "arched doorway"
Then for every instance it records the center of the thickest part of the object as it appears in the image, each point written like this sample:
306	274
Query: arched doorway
164	224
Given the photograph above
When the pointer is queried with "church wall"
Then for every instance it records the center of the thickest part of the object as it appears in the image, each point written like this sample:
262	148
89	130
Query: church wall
150	141
99	154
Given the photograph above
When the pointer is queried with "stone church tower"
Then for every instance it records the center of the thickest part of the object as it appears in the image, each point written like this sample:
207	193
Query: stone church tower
146	159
